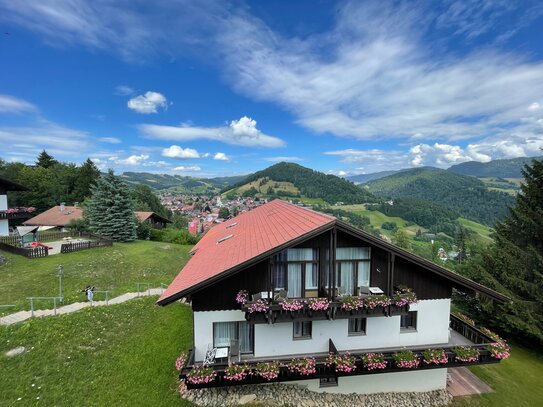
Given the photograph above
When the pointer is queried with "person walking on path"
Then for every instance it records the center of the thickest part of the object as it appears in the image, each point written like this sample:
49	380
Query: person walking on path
90	293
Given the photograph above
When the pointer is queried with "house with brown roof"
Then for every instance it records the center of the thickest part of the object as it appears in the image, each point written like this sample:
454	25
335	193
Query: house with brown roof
58	216
289	294
154	220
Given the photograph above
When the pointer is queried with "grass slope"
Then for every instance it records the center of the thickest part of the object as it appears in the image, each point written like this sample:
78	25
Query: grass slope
122	355
116	268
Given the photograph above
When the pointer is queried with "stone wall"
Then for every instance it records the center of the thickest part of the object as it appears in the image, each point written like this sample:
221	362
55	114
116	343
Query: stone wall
278	394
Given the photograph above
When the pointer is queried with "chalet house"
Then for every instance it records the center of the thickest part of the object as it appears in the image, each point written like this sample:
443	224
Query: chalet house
295	295
6	214
154	220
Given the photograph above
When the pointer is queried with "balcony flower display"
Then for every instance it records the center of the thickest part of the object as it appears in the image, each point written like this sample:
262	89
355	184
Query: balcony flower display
404	296
492	334
466	354
30	209
302	366
374	301
374	361
342	363
350	303
434	356
464	318
201	375
318	304
242	297
292	305
258	306
236	372
406	359
181	361
499	350
268	370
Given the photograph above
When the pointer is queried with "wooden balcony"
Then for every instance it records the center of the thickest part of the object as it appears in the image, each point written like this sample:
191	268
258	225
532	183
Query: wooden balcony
463	335
17	213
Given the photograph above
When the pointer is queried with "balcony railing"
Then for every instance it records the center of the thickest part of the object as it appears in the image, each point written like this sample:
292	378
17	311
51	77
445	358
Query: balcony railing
480	342
16	213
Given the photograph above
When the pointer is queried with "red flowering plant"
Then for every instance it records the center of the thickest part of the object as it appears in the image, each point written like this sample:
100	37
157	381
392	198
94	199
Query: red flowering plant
292	305
434	356
342	363
181	361
201	374
406	359
404	296
268	370
236	372
242	297
374	361
318	304
258	306
350	303
499	350
374	301
302	366
466	354
464	318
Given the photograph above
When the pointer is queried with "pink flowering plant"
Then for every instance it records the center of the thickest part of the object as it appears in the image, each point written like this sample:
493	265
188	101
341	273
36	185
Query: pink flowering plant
464	318
374	361
181	361
406	359
374	301
342	363
268	370
258	306
318	304
201	375
292	305
242	297
236	372
350	303
302	366
435	357
499	350
466	354
492	334
404	296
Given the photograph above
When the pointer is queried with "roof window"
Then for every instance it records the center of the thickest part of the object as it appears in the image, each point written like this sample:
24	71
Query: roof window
224	238
231	225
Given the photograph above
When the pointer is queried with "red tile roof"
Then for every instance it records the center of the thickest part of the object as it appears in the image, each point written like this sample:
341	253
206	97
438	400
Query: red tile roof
56	217
255	232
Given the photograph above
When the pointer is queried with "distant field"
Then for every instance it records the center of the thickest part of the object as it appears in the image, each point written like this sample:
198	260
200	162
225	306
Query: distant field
483	230
116	268
277	187
376	218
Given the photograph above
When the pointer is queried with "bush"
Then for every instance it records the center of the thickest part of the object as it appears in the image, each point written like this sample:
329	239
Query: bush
143	231
171	235
389	226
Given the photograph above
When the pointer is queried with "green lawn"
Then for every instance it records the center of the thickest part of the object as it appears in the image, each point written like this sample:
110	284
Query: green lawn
122	355
516	381
116	268
376	218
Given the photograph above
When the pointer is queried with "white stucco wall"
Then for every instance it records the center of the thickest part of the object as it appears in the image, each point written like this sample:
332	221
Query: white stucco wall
3	202
417	380
381	332
4	227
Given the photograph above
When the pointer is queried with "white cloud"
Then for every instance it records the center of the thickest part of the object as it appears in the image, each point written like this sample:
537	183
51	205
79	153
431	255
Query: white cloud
11	104
123	90
283	158
110	140
242	132
148	103
189	168
221	157
535	106
180	153
132	160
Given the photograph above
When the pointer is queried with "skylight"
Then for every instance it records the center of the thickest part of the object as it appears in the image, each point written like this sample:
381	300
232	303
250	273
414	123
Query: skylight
224	238
231	225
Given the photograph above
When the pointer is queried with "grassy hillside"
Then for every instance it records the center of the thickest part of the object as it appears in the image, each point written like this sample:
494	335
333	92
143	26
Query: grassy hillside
464	194
510	168
305	182
116	268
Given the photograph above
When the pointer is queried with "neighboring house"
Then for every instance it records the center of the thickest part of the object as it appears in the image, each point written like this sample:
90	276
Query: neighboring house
154	220
58	216
6	213
281	250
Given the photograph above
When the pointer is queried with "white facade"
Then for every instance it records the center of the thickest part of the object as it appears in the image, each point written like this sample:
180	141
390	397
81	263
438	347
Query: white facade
273	340
4	223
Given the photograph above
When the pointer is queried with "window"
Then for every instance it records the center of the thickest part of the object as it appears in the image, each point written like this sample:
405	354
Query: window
352	269
225	332
296	270
328	381
409	321
357	326
302	330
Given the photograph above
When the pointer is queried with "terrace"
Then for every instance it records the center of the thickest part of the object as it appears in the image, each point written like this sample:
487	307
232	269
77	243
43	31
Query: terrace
462	334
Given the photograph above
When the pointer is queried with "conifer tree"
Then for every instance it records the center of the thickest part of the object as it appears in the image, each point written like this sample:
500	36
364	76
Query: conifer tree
110	210
45	160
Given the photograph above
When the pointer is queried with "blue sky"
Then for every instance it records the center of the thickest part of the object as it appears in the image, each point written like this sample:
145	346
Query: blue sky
213	88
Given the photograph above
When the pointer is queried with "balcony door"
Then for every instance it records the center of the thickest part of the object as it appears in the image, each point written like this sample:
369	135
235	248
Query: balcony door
352	269
225	332
296	270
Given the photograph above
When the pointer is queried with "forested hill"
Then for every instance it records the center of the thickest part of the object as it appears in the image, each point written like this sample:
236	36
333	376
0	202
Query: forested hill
363	178
312	184
180	183
497	168
464	194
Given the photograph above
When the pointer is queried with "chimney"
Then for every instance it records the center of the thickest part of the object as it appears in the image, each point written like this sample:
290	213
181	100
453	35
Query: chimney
62	207
76	204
